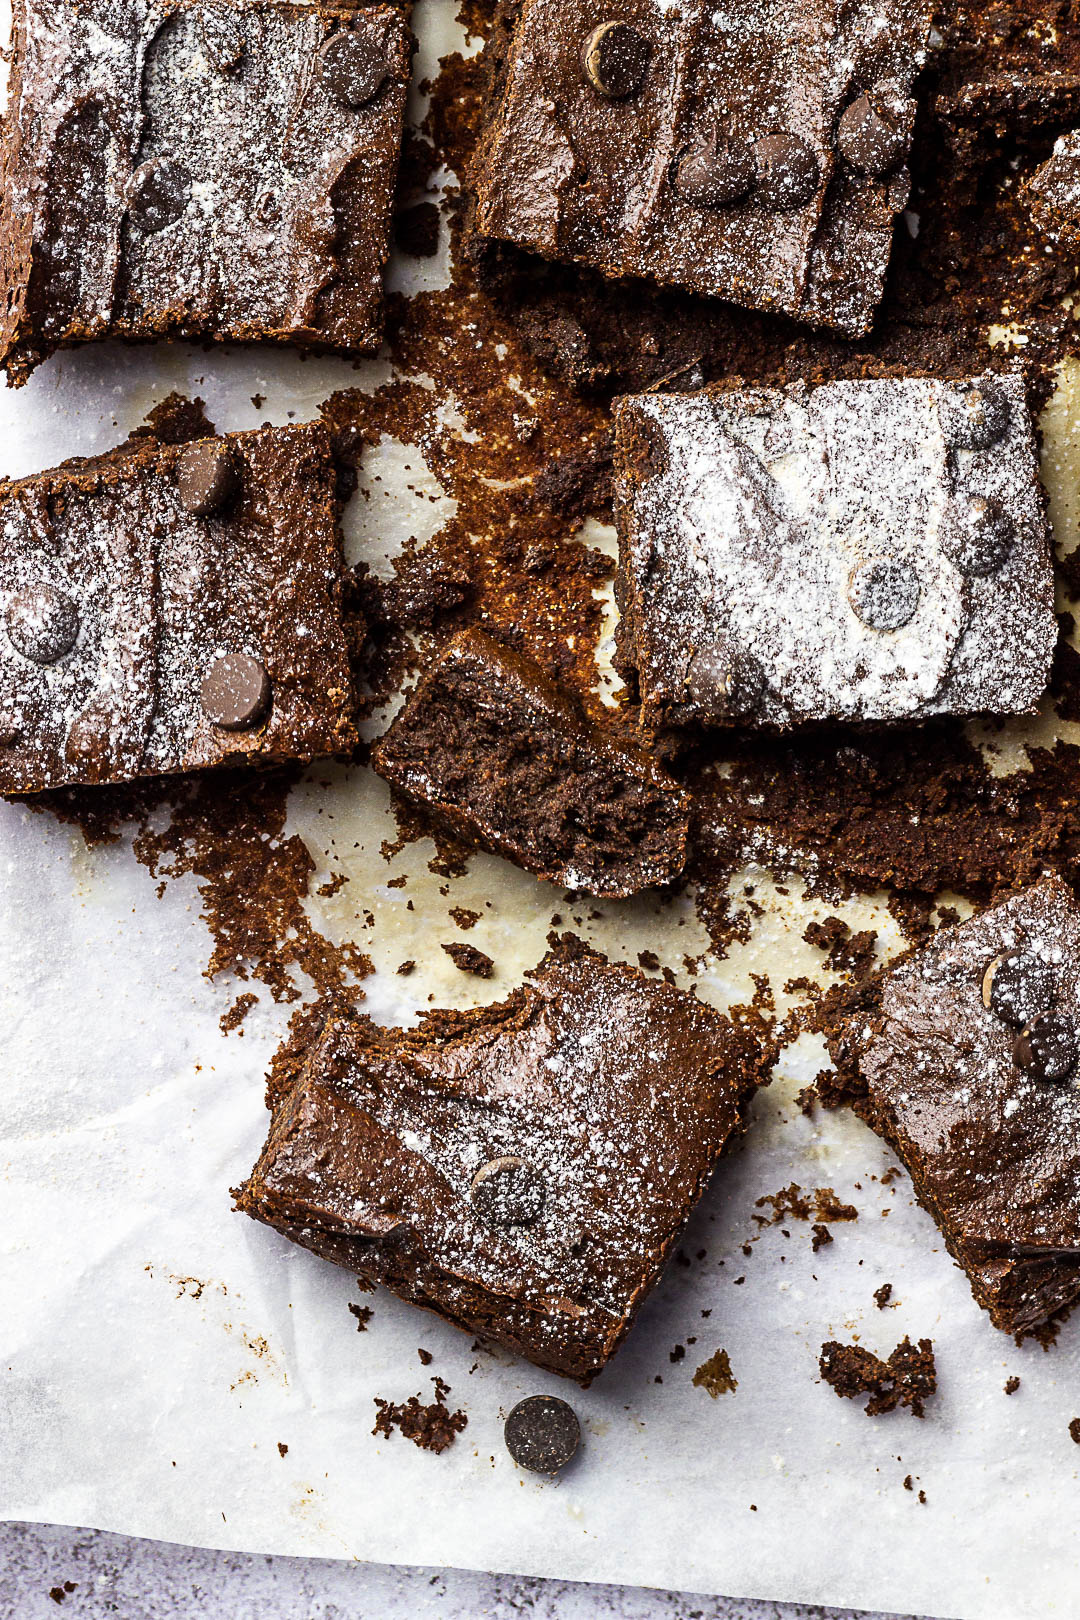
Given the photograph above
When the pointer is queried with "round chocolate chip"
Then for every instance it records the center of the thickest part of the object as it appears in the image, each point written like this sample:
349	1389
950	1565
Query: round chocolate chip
42	623
616	59
723	684
507	1192
788	171
884	592
222	39
1017	985
353	66
542	1433
1047	1047
976	535
235	692
867	139
207	478
713	172
974	416
160	192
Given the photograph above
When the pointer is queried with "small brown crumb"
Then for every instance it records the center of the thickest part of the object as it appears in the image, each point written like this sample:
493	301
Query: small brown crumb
909	1483
649	960
363	1314
283	1450
678	1353
1074	1431
922	1498
432	1428
237	1012
464	918
426	1357
1012	1384
258	400
822	1235
406	968
906	1379
882	1295
715	1376
807	1100
470	960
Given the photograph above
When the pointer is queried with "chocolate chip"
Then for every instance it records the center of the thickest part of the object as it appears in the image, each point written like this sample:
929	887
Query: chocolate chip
884	592
42	623
867	139
222	39
788	171
616	59
723	684
974	416
507	1192
353	67
1047	1047
160	191
542	1433
713	172
976	534
9	730
207	479
235	692
1017	985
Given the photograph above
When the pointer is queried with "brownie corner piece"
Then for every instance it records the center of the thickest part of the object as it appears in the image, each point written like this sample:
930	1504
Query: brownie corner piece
522	1169
970	1072
491	746
201	169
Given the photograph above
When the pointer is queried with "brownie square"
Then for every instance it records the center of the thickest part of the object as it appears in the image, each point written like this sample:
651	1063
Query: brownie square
864	551
970	1074
199	171
747	152
172	606
522	1169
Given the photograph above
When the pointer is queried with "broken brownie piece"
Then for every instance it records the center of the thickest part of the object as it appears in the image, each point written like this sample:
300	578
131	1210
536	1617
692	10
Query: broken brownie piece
749	153
863	551
494	748
1054	192
171	606
523	1169
970	1072
198	170
907	1378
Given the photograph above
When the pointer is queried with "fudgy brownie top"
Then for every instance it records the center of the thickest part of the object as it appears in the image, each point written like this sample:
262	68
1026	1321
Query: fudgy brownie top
738	151
874	550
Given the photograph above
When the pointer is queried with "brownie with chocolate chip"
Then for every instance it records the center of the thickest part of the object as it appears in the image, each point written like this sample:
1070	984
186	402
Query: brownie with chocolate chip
870	551
754	153
970	1072
523	1169
168	606
198	170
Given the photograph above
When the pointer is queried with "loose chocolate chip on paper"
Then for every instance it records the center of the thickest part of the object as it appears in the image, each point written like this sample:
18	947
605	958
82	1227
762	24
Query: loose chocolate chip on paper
542	1433
1047	1047
42	623
616	59
235	692
508	1192
207	477
354	67
1017	985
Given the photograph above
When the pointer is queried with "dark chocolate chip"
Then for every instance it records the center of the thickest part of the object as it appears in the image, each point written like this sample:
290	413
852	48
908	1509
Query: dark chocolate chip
788	171
974	416
1047	1047
616	59
507	1192
235	692
713	172
1017	985
353	66
884	592
723	684
9	730
867	139
222	39
542	1433
207	478
42	623
976	534
159	193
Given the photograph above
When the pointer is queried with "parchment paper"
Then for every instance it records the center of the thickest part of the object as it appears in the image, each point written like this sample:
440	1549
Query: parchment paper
158	1351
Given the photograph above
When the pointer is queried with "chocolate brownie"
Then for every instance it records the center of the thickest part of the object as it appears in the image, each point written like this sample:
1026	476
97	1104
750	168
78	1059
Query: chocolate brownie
171	606
198	170
523	1169
495	749
970	1074
754	153
1054	193
874	550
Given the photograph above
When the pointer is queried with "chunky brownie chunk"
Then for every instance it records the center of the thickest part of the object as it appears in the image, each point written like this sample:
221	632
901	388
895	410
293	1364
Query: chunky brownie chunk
1054	192
493	747
753	152
524	1168
197	170
971	1075
170	606
863	551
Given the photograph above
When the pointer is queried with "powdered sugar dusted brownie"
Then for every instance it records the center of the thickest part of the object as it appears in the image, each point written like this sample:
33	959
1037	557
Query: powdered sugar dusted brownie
172	606
753	151
193	169
971	1074
1054	190
863	551
524	1168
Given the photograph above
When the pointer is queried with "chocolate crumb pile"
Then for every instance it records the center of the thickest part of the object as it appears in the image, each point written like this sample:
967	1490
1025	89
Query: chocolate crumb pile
433	1427
907	1378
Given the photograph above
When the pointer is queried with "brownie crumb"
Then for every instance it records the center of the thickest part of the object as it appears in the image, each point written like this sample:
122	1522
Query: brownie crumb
1012	1384
909	1483
822	1235
470	960
363	1314
906	1379
426	1357
405	968
59	1593
283	1450
432	1428
677	1353
237	1012
883	1295
464	918
715	1375
1074	1431
922	1498
649	961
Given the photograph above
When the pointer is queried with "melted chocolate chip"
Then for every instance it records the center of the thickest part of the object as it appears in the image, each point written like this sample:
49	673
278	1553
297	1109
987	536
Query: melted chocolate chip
507	1192
722	683
713	172
235	692
42	623
1017	986
867	139
353	67
788	171
974	417
884	592
616	59
976	535
1047	1047
207	478
160	192
542	1433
